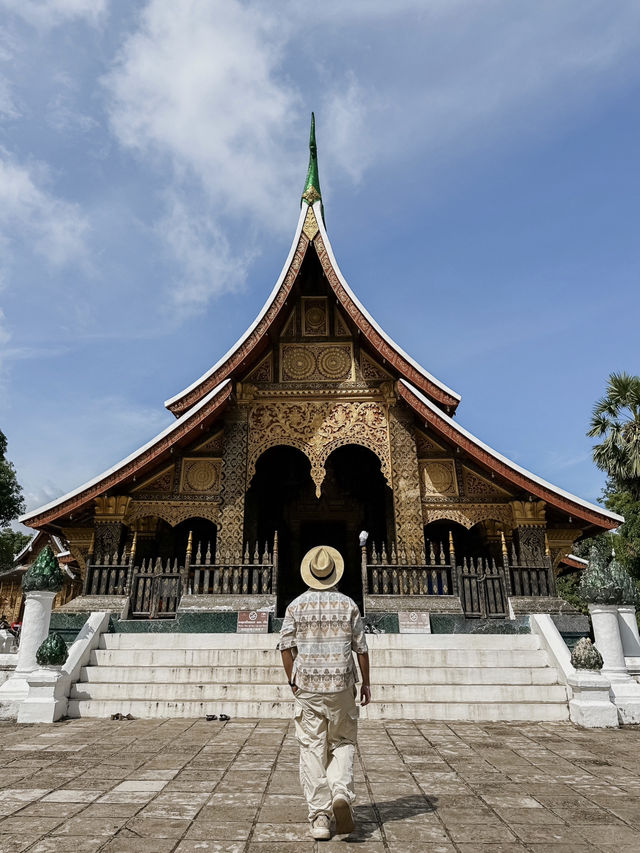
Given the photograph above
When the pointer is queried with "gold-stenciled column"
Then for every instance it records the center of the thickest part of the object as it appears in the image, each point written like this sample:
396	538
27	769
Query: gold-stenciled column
109	521
407	503
234	472
530	525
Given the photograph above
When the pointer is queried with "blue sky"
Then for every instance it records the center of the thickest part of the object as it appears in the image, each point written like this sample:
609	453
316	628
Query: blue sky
479	166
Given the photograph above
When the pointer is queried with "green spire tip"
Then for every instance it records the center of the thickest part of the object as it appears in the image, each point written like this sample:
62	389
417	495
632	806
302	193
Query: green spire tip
311	193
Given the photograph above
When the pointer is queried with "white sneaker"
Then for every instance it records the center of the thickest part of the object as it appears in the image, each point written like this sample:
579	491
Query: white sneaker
320	828
343	814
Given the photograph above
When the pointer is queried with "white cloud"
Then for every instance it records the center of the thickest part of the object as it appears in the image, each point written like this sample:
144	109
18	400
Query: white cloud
198	84
209	265
30	213
50	13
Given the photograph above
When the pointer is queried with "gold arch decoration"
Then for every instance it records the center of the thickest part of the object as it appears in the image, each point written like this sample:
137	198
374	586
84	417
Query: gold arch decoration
173	512
469	514
317	429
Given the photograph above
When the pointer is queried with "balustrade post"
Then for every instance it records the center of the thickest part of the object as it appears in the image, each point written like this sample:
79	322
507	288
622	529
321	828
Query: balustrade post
274	570
86	587
187	563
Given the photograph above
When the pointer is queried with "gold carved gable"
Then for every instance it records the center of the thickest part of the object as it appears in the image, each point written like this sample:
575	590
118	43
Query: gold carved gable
476	486
263	371
371	369
310	225
317	429
438	478
161	481
322	362
426	446
213	444
201	475
173	512
315	316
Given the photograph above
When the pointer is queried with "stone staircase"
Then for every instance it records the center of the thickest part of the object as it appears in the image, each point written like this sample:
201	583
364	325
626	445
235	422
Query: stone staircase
479	677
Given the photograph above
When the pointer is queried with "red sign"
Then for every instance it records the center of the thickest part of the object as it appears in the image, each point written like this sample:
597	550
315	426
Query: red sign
253	622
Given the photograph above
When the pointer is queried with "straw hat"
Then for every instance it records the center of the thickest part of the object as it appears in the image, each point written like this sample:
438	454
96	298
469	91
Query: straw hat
322	567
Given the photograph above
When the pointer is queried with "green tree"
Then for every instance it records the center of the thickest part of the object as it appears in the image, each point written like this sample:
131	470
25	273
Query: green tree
616	420
11	505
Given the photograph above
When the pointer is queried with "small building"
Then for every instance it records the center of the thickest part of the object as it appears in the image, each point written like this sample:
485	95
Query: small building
11	596
317	428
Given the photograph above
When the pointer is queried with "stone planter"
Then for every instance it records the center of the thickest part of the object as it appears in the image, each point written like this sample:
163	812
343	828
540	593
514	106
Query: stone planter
46	700
630	637
606	632
590	705
625	690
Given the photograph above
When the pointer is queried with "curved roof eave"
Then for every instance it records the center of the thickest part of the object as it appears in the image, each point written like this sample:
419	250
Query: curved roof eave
513	466
172	431
418	367
230	352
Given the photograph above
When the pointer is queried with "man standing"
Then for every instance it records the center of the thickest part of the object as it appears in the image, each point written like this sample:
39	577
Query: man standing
320	630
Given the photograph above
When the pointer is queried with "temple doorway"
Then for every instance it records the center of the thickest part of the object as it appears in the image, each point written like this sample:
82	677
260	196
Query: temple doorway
282	497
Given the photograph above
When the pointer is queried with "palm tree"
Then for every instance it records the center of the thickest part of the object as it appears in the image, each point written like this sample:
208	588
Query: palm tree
616	419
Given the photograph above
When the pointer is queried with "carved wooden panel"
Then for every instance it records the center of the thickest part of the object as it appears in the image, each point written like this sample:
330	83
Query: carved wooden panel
476	486
317	428
427	446
316	362
340	327
289	328
160	482
173	512
315	316
310	226
213	444
370	369
468	514
438	477
201	475
263	371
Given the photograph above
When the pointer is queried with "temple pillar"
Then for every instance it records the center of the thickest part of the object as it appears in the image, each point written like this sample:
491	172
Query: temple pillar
407	503
234	469
530	526
109	524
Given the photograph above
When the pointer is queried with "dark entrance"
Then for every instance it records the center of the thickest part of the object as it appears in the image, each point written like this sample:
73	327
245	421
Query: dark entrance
282	497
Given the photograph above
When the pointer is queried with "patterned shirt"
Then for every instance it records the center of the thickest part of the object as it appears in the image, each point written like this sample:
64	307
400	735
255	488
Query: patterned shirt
325	627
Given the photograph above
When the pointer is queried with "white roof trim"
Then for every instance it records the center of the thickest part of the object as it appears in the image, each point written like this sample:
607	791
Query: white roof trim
456	426
577	559
265	308
317	209
171	428
26	548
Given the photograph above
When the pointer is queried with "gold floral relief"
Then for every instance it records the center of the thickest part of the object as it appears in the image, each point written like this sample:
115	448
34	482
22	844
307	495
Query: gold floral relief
315	316
438	478
317	429
316	362
201	476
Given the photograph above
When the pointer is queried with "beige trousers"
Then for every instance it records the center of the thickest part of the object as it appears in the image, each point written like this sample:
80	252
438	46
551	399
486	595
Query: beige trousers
326	729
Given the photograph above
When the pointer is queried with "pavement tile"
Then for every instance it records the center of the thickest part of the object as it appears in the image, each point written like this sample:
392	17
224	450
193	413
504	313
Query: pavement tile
150	827
125	844
193	846
203	829
82	825
66	795
468	833
87	844
16	843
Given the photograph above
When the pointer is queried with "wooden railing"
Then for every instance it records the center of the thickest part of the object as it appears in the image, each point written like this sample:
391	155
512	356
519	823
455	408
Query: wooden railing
398	572
252	572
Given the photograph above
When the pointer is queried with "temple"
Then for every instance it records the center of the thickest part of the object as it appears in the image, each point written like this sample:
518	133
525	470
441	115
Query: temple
317	428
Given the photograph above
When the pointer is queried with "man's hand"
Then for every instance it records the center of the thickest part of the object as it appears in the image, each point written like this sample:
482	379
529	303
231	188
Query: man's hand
365	695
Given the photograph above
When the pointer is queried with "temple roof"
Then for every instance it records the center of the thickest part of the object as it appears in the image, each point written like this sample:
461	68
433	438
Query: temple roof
203	401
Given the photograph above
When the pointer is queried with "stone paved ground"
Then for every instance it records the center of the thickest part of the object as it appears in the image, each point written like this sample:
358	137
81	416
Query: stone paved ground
180	786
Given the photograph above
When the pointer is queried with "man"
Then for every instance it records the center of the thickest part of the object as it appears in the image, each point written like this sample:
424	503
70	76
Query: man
320	630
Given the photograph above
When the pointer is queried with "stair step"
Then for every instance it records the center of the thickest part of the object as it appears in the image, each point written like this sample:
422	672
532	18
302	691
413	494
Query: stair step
470	711
424	657
269	641
207	692
274	674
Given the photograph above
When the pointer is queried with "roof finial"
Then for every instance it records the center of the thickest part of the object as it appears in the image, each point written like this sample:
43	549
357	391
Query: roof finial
311	192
